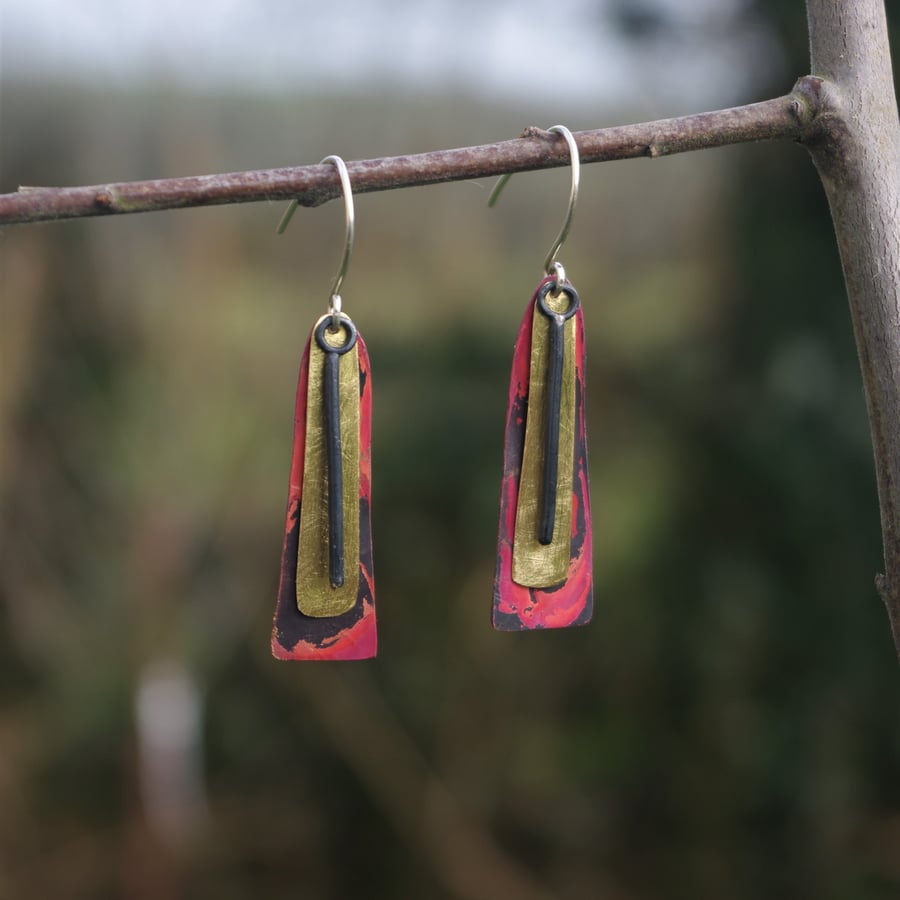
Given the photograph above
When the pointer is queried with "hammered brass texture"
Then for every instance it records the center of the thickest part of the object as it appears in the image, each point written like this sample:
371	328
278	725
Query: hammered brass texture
315	595
535	564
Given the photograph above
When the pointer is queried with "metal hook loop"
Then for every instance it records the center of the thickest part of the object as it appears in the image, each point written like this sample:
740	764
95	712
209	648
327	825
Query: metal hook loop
551	266
350	231
550	262
334	306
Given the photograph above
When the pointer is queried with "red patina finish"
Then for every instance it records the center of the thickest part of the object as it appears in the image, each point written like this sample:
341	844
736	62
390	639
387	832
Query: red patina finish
518	608
351	635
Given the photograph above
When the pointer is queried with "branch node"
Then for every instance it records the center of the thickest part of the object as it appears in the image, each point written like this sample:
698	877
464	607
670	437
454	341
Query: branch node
886	591
891	601
805	99
824	128
815	102
532	131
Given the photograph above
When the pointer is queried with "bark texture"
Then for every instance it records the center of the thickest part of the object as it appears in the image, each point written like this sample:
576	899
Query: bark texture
315	185
855	143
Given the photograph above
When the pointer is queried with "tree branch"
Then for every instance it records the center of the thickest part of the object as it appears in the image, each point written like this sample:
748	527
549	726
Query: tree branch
855	145
781	118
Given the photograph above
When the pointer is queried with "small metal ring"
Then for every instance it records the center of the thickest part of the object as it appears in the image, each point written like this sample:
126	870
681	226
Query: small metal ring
334	309
558	273
326	323
569	291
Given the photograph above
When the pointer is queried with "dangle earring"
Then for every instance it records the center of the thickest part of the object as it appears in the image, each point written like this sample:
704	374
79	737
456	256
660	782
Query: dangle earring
544	576
326	596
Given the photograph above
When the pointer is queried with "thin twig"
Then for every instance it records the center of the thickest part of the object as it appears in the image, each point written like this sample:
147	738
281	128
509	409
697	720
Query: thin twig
780	118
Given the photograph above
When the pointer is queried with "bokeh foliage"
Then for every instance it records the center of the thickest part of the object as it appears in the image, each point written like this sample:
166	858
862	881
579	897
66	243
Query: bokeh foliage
727	726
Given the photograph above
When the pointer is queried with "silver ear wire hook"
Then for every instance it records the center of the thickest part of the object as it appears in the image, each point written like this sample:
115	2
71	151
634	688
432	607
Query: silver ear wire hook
334	306
551	266
350	231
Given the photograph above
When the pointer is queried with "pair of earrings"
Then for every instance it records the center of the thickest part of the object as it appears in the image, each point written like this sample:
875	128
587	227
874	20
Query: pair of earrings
326	596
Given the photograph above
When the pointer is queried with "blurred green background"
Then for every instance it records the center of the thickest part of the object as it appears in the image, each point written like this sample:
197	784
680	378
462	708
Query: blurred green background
728	724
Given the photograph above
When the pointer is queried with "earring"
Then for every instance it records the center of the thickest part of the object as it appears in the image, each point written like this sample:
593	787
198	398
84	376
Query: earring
544	574
326	596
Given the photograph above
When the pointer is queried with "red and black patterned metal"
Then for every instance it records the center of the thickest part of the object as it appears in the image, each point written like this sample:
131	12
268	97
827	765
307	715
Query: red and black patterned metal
517	607
351	635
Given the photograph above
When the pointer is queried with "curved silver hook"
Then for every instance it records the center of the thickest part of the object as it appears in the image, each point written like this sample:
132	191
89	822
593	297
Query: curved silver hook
334	307
350	231
551	266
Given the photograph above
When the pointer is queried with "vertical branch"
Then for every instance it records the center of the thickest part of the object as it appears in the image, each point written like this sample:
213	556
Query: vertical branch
855	144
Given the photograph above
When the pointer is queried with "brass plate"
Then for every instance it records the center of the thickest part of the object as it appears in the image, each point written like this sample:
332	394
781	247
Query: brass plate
535	564
315	595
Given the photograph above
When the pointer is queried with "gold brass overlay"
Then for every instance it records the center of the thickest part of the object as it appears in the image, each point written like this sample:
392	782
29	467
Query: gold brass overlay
535	564
315	595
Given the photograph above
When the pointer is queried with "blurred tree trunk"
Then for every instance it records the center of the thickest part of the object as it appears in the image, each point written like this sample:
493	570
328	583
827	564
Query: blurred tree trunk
855	144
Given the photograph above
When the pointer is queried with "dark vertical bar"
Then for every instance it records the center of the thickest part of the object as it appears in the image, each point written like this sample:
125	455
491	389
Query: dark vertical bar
555	352
331	394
